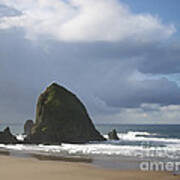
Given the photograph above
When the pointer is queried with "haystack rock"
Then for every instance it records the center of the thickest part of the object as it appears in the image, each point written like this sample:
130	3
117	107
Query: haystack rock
61	117
113	135
6	137
28	126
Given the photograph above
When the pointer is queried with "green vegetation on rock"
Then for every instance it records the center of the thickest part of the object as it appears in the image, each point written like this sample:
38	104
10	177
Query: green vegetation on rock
61	117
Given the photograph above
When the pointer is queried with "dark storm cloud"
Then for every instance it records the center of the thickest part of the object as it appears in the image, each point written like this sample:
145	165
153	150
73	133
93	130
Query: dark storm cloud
161	59
155	58
131	95
103	75
109	61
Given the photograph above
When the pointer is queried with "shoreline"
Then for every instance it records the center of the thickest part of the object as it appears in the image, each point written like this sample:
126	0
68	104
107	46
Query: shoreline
124	163
31	168
43	157
120	164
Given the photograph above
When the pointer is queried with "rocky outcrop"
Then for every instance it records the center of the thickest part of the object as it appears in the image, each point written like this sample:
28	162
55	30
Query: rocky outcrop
61	117
6	137
27	127
113	135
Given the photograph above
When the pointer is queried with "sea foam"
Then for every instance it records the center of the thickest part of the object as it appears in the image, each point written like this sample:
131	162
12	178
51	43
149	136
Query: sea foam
131	144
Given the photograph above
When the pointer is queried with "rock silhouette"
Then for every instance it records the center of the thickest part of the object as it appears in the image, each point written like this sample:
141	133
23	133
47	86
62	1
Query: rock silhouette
27	127
61	117
6	137
113	135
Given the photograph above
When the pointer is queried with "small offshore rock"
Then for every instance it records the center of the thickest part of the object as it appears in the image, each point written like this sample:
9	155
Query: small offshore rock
113	135
6	137
28	126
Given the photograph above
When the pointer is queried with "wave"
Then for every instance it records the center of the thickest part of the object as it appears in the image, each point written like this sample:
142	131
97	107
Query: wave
144	137
131	144
20	137
131	136
98	150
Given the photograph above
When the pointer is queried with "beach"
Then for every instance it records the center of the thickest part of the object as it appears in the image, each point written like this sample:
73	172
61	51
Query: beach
30	168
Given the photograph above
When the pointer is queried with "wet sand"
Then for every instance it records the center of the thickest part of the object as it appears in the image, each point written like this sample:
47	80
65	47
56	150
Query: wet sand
33	169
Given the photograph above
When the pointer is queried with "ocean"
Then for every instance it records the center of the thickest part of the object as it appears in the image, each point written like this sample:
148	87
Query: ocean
137	143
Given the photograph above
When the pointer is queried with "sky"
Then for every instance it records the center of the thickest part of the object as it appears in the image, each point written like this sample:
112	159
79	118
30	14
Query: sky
120	57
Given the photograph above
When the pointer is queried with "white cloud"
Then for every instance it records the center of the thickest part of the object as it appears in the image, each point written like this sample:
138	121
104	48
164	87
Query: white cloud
146	114
84	20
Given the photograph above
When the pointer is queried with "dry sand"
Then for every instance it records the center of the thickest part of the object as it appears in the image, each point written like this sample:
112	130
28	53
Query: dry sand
12	168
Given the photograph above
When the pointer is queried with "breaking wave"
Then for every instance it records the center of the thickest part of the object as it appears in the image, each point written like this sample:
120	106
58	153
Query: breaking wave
131	144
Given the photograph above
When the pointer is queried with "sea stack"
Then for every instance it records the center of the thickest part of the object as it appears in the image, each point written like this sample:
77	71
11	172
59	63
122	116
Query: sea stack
113	135
61	117
28	126
6	137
